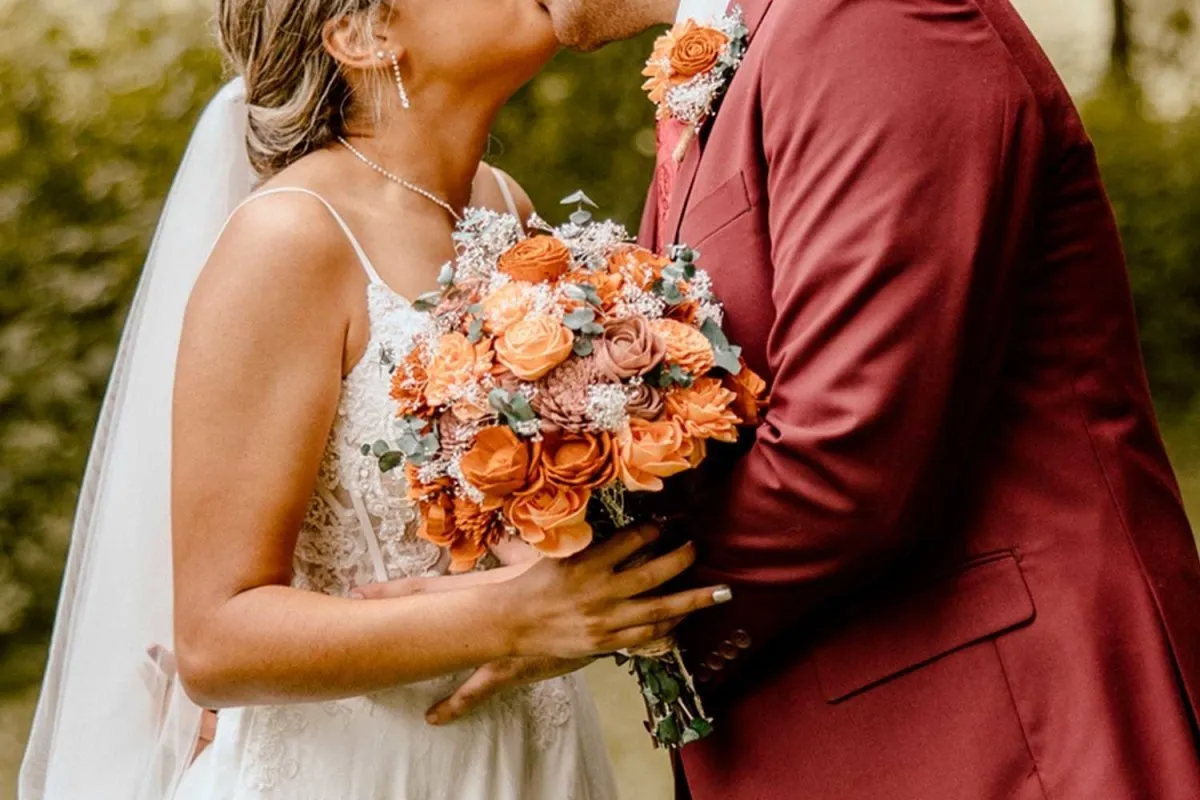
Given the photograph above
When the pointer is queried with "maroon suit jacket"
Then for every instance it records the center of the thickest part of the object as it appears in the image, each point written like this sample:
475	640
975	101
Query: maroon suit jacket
960	563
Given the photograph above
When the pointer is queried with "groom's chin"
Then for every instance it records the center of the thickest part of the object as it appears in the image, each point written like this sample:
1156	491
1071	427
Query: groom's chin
588	25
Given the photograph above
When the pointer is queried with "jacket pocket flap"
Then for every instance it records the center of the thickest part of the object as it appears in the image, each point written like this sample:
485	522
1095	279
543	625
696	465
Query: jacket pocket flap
716	209
985	598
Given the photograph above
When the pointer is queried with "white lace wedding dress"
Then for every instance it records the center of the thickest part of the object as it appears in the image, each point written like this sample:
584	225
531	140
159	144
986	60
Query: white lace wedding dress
542	742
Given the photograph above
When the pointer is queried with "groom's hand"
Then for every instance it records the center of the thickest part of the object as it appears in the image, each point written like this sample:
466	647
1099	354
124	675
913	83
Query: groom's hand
491	679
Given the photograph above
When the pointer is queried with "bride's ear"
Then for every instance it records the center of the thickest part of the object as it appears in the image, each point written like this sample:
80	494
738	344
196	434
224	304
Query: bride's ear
350	42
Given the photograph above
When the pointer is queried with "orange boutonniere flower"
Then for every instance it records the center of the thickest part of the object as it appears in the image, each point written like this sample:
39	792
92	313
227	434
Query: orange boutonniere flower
691	68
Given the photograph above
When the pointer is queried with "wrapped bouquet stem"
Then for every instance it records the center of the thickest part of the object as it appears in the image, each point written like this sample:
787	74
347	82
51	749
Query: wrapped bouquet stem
562	381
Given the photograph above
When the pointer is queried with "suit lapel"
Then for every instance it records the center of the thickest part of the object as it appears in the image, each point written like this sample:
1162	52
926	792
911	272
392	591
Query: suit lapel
685	181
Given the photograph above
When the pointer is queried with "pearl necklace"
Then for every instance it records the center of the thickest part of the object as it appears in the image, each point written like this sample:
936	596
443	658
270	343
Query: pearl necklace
412	187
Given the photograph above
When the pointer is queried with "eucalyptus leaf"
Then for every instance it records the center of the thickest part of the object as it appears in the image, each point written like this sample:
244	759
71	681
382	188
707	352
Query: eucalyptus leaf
446	275
578	197
499	399
579	317
583	346
581	217
475	309
712	331
475	331
380	447
389	461
728	360
592	329
575	292
521	408
366	449
409	445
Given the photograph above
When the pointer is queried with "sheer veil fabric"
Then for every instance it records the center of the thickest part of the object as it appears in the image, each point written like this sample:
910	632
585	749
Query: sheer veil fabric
112	722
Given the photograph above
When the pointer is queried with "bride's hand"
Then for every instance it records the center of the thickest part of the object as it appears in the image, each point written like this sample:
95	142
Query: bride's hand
587	605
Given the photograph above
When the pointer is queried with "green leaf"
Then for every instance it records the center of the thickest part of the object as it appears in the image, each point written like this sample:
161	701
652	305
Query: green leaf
667	732
578	197
366	449
583	346
475	331
475	309
380	447
500	400
592	329
521	408
668	689
728	359
702	727
579	317
446	275
716	337
389	461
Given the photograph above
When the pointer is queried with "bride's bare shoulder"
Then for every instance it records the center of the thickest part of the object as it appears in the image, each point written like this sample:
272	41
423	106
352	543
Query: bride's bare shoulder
489	195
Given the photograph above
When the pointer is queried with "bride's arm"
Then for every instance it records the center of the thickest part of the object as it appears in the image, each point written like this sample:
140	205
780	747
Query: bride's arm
257	389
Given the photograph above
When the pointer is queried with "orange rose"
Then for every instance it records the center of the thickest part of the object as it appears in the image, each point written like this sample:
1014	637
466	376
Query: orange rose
534	346
637	264
696	50
551	518
535	260
750	395
648	451
703	410
505	307
583	460
456	366
686	346
499	463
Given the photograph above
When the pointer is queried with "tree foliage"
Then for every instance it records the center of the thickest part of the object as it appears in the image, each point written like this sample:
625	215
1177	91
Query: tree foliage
95	117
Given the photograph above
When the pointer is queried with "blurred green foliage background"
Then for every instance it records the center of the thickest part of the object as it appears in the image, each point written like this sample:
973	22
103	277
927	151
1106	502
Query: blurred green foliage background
94	115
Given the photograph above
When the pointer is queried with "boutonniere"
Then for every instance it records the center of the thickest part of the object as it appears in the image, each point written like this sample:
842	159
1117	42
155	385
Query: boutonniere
691	68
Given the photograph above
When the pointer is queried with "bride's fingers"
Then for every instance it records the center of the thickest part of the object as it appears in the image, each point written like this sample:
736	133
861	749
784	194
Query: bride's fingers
653	574
653	610
483	683
621	546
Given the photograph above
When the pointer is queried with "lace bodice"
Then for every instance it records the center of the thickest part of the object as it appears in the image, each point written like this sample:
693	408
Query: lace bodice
360	527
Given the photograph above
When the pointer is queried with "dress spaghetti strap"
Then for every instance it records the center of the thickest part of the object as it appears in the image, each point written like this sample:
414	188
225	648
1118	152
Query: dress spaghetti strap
509	201
367	266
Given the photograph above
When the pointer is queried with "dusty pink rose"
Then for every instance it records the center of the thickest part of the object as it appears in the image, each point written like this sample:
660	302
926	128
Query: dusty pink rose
628	348
645	401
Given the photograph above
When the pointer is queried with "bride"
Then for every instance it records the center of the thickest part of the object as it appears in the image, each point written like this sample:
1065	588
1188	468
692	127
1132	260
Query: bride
227	506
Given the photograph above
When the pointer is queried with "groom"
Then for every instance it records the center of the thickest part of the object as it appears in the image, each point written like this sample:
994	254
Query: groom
960	563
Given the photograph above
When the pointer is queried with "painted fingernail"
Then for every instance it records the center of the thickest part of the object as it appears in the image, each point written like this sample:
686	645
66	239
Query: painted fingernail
722	595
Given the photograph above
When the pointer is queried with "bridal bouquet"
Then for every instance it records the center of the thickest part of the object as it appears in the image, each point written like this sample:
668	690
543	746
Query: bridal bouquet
562	378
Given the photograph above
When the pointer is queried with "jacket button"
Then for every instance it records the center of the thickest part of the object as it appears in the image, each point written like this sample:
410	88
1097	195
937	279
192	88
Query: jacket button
715	662
741	640
729	651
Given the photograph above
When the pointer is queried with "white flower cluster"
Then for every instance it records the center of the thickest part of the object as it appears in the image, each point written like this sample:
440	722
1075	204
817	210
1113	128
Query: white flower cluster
606	406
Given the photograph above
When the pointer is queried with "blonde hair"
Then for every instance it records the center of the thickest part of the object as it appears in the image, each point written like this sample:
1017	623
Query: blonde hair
296	93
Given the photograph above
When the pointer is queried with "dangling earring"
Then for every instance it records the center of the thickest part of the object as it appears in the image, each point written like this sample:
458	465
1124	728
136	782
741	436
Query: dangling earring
404	102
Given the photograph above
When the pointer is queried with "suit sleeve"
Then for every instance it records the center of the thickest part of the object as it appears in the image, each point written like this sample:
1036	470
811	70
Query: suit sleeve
895	194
